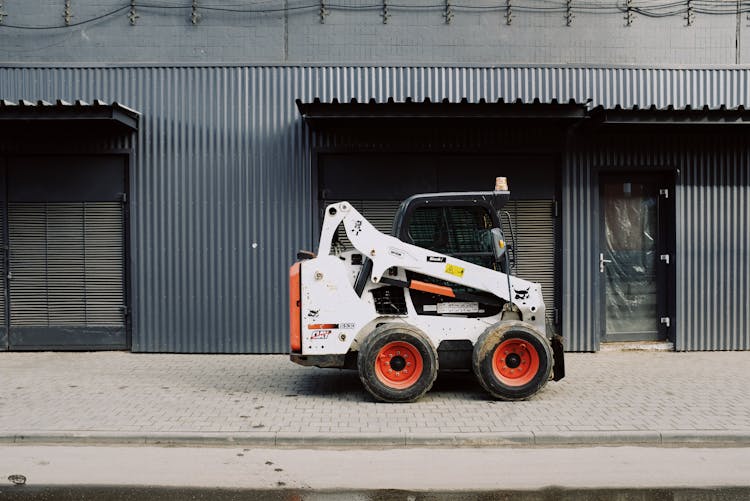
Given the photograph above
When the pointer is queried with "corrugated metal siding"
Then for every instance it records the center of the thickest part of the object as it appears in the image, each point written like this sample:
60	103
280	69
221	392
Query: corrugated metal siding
713	292
712	244
221	194
580	321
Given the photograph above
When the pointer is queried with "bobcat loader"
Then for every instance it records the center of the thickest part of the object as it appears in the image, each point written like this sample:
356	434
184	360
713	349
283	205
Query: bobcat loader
437	294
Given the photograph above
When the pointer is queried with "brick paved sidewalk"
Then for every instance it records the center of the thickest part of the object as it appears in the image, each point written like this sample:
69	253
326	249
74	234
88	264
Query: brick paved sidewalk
607	398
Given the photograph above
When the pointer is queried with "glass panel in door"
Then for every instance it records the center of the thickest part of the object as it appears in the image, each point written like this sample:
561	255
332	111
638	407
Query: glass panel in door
629	258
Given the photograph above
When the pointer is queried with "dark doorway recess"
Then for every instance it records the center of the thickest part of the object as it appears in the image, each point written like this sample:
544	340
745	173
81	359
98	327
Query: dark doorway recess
64	262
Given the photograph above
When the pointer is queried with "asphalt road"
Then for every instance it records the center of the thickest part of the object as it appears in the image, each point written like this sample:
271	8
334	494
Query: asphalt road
186	494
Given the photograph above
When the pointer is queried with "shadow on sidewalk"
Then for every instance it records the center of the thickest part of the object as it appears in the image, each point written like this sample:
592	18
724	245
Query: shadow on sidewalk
346	385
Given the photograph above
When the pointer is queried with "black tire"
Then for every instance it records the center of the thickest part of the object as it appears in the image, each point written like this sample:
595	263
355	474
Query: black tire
521	369
388	379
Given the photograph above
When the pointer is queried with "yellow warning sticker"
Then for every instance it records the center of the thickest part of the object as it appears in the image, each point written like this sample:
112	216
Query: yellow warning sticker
454	270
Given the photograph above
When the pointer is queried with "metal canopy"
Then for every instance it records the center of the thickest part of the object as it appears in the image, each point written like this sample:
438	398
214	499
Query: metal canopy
61	113
361	114
671	116
355	113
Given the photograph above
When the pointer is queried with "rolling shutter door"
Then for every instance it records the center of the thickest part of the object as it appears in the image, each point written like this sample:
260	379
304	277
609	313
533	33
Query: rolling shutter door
66	252
66	264
534	228
3	273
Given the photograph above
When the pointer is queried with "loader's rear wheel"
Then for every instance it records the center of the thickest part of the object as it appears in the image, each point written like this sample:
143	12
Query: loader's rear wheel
512	361
397	363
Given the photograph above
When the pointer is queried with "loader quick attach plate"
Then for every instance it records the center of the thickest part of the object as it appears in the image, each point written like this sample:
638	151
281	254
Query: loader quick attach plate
558	370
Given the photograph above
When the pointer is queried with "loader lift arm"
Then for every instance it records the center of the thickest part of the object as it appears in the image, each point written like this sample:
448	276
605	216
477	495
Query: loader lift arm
386	252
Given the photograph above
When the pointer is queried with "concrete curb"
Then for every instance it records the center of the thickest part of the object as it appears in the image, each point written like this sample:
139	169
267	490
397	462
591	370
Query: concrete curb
598	437
709	438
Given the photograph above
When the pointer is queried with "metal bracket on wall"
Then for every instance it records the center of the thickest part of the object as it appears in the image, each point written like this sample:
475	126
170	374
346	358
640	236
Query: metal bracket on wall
2	13
508	12
68	12
448	14
323	12
195	17
629	16
569	13
132	15
690	13
385	14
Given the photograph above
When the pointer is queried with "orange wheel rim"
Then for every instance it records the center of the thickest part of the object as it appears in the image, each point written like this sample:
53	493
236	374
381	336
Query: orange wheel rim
398	365
515	362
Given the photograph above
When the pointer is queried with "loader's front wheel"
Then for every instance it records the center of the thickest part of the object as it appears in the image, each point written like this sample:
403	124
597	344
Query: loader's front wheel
397	363
512	361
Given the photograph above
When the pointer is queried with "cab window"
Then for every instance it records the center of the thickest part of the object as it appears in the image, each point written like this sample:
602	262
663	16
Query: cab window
462	232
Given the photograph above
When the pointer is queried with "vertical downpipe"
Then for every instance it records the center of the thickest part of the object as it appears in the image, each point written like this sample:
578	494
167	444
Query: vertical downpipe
286	30
737	41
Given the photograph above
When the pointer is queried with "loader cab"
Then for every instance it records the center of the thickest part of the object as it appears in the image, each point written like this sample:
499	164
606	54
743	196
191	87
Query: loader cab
463	225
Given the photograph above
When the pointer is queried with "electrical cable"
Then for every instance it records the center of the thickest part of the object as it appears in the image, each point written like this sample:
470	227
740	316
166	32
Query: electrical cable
71	25
647	8
232	9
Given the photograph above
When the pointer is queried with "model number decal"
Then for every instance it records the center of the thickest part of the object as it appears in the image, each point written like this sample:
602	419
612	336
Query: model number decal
345	325
435	259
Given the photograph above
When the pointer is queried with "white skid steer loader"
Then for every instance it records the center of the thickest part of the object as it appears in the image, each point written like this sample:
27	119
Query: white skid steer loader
436	294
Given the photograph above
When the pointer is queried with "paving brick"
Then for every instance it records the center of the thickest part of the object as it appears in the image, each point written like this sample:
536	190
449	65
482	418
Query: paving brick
613	396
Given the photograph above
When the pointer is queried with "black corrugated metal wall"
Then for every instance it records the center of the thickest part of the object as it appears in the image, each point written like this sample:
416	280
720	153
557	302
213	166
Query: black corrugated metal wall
221	193
712	202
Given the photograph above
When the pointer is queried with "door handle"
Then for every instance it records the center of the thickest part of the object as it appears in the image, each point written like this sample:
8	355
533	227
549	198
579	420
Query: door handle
602	262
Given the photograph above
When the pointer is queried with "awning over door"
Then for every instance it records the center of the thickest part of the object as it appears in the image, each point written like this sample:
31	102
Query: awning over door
321	114
670	116
19	116
354	113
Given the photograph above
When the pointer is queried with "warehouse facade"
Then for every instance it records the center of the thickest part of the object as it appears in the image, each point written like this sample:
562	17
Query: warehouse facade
156	206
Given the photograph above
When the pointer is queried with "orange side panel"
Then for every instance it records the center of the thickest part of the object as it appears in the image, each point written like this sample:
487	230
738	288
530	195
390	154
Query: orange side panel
435	289
295	309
